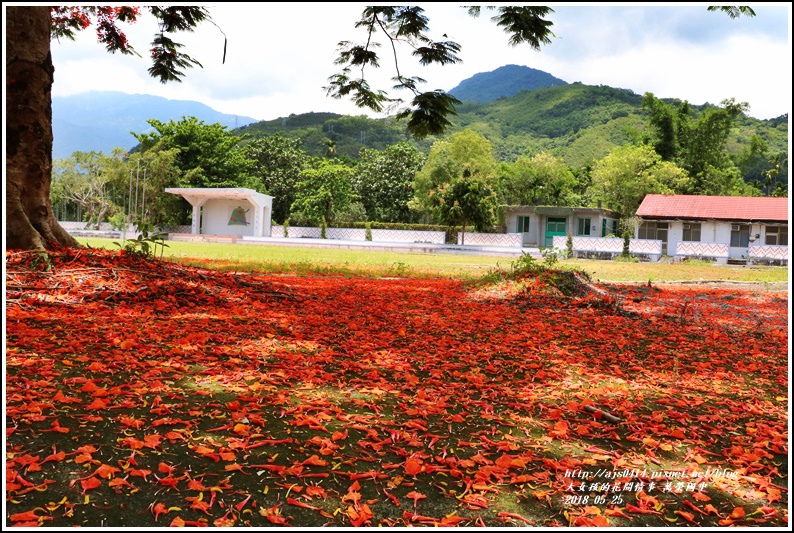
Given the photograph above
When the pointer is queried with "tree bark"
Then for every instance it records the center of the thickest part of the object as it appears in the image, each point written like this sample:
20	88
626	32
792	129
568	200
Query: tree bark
30	220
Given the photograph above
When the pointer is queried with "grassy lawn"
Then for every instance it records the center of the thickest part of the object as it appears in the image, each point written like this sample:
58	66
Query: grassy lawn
301	260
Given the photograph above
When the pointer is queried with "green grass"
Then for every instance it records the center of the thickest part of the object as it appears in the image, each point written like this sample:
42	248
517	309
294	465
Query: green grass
347	262
662	272
305	260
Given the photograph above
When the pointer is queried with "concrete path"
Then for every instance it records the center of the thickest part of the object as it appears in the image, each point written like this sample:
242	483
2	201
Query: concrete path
392	246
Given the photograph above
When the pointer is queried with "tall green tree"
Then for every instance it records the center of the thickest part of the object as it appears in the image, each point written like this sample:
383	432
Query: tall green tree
540	180
696	144
82	180
628	173
131	185
277	162
464	152
154	171
753	160
466	201
725	181
772	186
210	155
384	181
323	191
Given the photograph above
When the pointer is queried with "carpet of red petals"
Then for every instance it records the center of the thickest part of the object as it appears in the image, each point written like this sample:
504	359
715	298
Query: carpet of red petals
145	393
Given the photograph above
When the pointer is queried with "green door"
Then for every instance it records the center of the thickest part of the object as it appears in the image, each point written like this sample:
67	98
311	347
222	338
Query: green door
554	226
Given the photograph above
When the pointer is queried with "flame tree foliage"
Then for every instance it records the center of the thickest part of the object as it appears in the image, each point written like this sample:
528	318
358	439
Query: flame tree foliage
427	111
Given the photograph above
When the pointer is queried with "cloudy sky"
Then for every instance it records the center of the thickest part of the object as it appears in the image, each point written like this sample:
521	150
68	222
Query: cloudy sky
279	55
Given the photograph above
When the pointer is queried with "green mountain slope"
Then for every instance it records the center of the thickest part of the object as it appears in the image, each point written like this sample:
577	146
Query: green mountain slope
577	122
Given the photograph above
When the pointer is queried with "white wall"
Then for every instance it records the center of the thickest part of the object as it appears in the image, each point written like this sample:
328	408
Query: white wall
530	238
216	215
714	231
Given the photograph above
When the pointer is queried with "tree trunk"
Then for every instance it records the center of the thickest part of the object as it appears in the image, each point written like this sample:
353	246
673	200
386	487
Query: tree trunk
30	220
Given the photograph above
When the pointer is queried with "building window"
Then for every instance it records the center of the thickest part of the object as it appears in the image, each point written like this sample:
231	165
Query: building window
647	230
691	232
651	230
740	236
583	226
522	225
777	235
609	226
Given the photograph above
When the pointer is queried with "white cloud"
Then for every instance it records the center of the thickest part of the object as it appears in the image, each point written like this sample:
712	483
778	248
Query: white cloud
280	56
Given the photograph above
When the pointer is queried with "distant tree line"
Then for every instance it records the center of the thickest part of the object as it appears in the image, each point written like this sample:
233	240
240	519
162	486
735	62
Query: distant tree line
459	181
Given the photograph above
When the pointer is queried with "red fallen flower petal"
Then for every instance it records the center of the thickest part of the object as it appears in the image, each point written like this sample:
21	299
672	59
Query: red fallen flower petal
90	483
314	460
413	466
297	503
56	457
28	516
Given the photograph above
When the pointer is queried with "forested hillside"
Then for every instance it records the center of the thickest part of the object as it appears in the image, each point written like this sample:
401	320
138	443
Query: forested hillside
344	135
579	123
561	145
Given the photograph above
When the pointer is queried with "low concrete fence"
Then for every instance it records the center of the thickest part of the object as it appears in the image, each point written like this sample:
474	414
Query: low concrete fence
82	228
767	254
608	247
106	230
176	229
358	234
718	252
492	239
85	226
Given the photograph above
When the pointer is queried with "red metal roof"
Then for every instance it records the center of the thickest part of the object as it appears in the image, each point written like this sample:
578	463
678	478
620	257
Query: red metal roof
714	207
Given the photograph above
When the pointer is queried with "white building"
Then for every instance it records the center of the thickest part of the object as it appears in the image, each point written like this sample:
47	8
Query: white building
228	212
538	225
754	229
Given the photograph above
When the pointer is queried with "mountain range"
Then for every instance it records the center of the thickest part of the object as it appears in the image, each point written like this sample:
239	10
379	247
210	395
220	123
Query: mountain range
520	110
99	121
102	120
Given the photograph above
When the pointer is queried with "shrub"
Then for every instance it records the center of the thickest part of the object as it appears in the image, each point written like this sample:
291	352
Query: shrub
118	221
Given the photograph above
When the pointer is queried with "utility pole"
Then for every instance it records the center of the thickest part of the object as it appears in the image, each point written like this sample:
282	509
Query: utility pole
137	182
143	194
127	214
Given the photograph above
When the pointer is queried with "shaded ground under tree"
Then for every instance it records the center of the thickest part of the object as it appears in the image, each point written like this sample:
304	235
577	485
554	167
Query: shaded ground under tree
145	393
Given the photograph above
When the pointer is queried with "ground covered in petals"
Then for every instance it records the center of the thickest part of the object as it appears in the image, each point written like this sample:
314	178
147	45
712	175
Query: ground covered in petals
145	393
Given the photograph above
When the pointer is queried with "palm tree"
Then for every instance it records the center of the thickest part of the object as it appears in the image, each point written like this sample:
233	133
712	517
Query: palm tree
330	150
